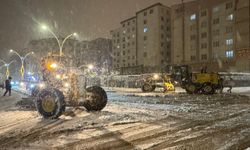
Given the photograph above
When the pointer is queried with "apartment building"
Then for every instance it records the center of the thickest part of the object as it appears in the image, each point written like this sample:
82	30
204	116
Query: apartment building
124	45
143	43
242	35
206	33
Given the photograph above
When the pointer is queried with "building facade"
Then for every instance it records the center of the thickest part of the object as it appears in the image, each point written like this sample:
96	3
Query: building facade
210	33
143	43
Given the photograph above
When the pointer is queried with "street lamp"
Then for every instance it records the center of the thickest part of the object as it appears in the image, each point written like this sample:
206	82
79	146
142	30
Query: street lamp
7	67
44	27
22	58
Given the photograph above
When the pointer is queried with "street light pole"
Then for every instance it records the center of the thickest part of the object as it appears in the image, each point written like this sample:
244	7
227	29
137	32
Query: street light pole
7	67
22	58
57	39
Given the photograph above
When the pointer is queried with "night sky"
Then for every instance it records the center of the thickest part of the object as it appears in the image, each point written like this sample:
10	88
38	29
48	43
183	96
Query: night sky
20	19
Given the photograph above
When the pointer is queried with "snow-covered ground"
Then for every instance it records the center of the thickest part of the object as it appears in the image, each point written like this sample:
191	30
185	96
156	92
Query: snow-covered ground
134	120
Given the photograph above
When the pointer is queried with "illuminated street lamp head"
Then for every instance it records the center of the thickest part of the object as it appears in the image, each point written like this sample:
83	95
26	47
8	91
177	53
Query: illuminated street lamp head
90	67
11	50
75	34
44	27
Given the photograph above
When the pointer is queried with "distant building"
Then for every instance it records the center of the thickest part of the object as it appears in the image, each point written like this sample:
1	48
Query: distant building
143	43
96	52
211	33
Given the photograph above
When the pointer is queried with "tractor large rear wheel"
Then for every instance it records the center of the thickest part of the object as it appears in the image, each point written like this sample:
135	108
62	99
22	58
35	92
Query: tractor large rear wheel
96	99
50	103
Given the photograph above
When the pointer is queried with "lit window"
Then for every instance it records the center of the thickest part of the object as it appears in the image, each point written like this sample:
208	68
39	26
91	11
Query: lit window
230	17
118	46
145	30
230	54
229	42
193	17
124	31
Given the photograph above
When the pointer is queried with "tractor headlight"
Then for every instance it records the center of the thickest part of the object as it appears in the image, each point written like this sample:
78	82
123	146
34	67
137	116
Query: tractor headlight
58	76
156	77
66	84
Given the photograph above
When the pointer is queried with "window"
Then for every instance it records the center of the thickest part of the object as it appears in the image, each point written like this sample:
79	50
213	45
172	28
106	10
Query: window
229	5
229	29
162	18
193	17
128	23
124	46
203	45
204	35
145	22
204	24
123	25
192	58
229	42
151	11
230	54
216	44
193	27
203	13
124	53
204	57
216	32
216	21
145	13
193	37
123	39
230	17
145	38
145	54
133	29
145	30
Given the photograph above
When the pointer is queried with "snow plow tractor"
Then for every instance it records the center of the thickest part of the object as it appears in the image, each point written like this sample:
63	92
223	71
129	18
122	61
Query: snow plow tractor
193	83
163	81
65	86
205	83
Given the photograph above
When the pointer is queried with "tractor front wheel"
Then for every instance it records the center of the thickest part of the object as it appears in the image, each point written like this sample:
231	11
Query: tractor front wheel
191	88
146	87
50	103
208	89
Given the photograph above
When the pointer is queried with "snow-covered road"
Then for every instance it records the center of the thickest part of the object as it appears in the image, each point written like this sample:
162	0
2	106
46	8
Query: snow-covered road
134	120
